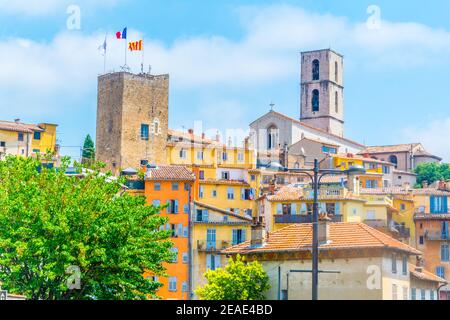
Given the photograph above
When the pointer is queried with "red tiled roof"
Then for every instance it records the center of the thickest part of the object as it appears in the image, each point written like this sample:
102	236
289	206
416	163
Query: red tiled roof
19	127
343	236
170	173
424	275
406	147
434	216
383	191
287	194
431	192
224	182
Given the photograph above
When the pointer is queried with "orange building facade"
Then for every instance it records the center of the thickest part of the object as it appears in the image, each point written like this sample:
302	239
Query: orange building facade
171	186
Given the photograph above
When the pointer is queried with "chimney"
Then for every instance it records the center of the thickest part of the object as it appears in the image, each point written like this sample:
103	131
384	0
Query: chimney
349	155
203	136
218	136
424	184
258	232
324	229
442	185
17	120
191	131
419	264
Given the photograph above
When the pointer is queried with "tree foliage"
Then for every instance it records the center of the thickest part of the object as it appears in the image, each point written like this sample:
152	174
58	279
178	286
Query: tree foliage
432	172
237	281
88	154
50	222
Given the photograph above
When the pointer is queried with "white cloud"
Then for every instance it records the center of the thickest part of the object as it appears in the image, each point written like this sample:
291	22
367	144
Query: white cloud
45	7
433	134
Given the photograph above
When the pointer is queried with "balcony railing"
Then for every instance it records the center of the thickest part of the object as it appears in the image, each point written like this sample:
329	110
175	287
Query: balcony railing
325	192
212	246
437	236
403	232
291	219
135	184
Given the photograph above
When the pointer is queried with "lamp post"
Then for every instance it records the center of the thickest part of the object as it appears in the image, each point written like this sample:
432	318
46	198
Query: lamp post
316	174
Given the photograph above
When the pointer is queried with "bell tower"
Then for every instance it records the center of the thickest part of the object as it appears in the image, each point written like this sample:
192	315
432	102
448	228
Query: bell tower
322	90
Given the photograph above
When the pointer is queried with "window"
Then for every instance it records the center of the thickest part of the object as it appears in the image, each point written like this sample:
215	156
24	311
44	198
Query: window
336	102
200	192
272	137
225	219
225	175
185	257
440	271
144	132
199	155
286	208
240	157
438	205
156	129
20	136
212	262
187	187
315	70
186	208
37	135
202	215
157	186
394	292
315	100
370	215
214	193
405	293
172	206
201	175
238	236
336	71
445	253
394	263
431	294
326	149
402	207
421	240
422	294
3	144
211	239
183	154
184	287
413	294
175	186
156	203
405	266
230	194
386	170
175	252
252	177
393	159
144	163
444	230
172	284
224	156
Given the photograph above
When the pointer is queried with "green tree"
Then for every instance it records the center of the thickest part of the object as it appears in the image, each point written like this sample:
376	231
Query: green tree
88	154
52	225
432	172
237	281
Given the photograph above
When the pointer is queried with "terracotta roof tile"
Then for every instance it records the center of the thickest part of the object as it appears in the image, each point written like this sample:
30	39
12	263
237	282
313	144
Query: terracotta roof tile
385	191
343	236
424	275
19	127
406	147
431	192
170	173
224	182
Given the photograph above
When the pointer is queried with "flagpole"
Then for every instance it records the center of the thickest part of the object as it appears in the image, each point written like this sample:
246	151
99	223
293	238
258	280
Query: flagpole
143	55
104	60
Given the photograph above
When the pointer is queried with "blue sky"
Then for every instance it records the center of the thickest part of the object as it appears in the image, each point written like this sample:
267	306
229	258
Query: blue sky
229	59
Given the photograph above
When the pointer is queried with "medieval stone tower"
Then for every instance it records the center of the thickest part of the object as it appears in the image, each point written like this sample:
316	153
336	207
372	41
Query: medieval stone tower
322	91
132	120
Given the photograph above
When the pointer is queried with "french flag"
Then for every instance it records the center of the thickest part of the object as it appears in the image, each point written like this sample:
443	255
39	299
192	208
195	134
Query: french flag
122	35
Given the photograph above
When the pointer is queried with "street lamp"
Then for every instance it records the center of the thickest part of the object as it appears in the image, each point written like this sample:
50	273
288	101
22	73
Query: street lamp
316	174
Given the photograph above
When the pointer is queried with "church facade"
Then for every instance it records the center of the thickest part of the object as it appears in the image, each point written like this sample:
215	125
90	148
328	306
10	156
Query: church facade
321	113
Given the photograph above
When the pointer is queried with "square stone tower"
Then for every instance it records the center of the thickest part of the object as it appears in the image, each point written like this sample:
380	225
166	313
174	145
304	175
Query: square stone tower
132	120
322	90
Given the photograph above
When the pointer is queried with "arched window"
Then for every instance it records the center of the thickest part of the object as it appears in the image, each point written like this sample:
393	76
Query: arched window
336	71
315	70
336	102
272	137
315	100
297	165
393	159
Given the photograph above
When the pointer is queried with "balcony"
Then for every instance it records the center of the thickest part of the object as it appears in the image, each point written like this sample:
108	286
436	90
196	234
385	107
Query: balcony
212	246
437	236
293	219
402	231
135	184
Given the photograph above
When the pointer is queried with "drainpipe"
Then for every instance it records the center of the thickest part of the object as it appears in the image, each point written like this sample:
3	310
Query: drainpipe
190	289
279	282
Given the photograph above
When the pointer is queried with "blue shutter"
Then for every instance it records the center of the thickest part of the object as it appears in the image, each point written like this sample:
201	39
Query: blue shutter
337	208
244	235
242	194
175	209
186	232
432	206
234	237
445	204
322	207
303	209
205	215
208	261
169	206
180	230
293	209
217	261
279	209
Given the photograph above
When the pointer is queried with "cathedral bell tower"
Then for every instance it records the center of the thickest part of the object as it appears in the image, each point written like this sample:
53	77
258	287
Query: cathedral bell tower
322	90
